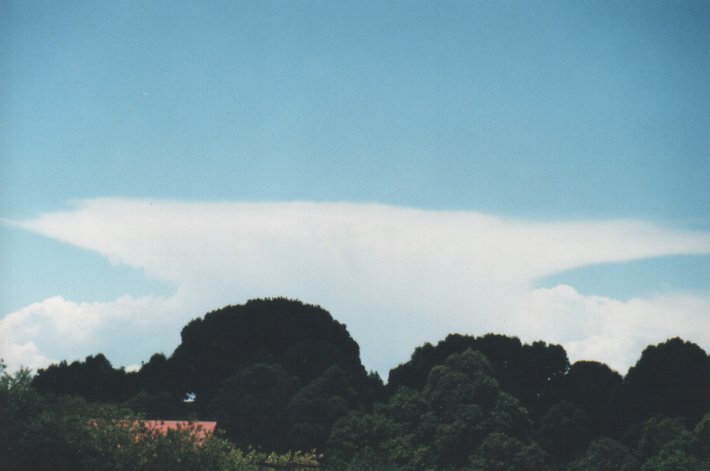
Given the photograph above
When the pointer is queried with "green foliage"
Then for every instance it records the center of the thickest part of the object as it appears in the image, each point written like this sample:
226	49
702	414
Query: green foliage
701	445
461	392
657	432
94	379
589	385
18	400
669	446
500	452
350	435
673	459
304	339
532	373
607	455
315	408
508	416
564	431
439	427
671	378
157	375
251	407
68	433
464	378
158	405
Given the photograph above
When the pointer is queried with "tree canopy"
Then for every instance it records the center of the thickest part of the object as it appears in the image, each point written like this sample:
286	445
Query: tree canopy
279	375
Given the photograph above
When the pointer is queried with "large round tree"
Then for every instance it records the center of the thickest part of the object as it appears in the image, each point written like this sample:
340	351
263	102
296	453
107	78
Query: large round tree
303	339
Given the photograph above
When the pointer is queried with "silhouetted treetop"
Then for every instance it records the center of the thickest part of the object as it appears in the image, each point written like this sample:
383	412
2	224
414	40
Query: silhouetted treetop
531	372
302	338
94	378
671	378
590	386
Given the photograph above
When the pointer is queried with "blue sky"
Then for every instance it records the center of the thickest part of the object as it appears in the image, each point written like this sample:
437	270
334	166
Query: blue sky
532	112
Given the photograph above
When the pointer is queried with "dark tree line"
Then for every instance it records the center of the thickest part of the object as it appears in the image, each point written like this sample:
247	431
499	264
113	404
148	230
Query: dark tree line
274	373
52	432
281	375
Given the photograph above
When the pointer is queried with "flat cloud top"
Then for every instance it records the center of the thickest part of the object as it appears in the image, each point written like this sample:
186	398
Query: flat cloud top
396	276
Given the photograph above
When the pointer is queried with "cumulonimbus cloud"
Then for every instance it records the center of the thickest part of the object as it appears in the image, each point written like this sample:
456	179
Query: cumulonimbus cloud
396	276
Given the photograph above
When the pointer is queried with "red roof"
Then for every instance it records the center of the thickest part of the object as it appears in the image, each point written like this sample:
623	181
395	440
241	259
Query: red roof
200	429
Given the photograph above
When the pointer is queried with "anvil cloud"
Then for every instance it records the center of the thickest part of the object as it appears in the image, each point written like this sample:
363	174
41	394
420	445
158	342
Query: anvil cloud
396	276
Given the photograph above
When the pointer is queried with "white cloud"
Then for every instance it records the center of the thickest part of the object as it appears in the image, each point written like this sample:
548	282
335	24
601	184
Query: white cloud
396	276
57	329
613	331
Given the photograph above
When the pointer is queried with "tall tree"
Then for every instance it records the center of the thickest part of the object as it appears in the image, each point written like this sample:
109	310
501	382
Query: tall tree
671	378
589	385
304	339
